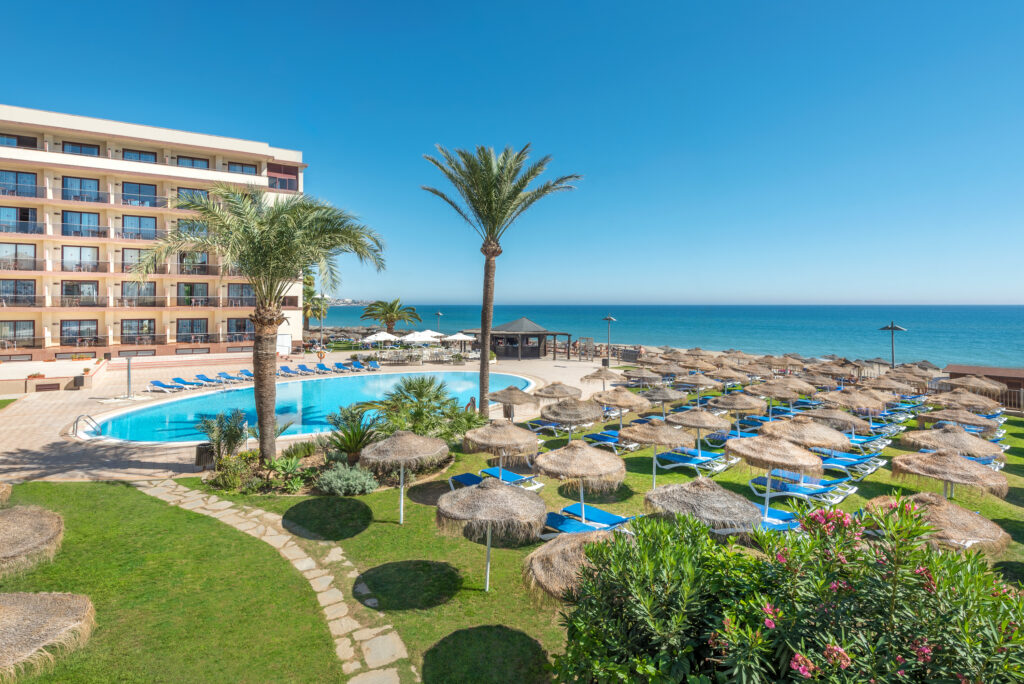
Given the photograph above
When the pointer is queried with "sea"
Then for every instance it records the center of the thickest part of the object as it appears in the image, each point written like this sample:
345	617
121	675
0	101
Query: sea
977	335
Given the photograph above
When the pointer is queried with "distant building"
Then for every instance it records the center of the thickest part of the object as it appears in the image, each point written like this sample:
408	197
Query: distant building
1013	378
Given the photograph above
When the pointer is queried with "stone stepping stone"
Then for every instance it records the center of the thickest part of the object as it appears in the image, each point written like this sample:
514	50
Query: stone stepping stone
34	628
28	535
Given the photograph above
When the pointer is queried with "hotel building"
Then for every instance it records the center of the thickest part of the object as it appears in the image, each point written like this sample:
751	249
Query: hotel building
82	199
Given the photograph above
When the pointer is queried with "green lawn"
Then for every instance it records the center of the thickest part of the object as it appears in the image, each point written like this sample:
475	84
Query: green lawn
179	597
6	402
430	586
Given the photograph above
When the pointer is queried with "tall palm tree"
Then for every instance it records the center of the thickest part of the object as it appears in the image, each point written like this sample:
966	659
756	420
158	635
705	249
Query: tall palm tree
271	244
390	313
308	293
319	307
495	191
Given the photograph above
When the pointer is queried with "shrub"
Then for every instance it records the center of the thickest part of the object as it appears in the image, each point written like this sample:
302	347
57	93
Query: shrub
225	433
344	480
294	484
286	466
423	404
355	428
831	604
299	450
234	471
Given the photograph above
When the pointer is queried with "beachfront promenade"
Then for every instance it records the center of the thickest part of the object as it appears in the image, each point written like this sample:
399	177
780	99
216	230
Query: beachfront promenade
37	443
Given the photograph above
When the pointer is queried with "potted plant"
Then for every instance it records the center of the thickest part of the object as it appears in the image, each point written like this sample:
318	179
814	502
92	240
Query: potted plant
85	371
458	360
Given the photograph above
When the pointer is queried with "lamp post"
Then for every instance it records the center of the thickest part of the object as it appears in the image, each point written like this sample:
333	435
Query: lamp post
438	314
893	329
608	349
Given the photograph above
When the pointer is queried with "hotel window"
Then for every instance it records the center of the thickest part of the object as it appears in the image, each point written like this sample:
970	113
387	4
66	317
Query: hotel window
78	332
139	195
192	330
240	330
16	257
81	224
283	177
139	156
239	167
192	193
80	259
193	263
12	140
82	189
81	148
80	293
241	294
138	227
13	331
18	220
193	294
130	257
18	292
138	294
18	184
197	228
138	331
194	162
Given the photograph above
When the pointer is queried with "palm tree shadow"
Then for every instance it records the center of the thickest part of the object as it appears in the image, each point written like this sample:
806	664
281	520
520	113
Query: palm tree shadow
328	517
412	584
427	493
485	654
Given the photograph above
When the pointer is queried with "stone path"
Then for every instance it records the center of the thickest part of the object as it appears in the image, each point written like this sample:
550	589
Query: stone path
364	650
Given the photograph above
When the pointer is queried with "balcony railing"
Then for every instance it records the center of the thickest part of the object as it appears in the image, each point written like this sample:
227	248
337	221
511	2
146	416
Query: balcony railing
196	301
127	266
79	230
14	190
83	340
140	300
82	300
240	337
135	199
73	195
198	338
21	300
141	338
289	302
194	269
84	266
26	227
235	302
17	342
139	234
22	264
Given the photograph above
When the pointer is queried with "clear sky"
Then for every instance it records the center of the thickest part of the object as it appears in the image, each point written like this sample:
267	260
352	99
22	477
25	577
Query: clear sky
740	152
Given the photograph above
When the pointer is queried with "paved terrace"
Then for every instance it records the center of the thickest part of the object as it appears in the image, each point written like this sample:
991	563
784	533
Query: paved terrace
37	445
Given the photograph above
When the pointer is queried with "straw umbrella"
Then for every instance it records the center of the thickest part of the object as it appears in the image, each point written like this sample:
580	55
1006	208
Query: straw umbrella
738	403
976	383
952	469
699	420
643	376
555	565
622	399
501	438
656	433
676	355
594	470
694	363
604	375
807	433
797	385
961	416
840	420
819	380
663	395
951	437
516	514
572	412
700	382
723	511
771	452
888	384
697	351
961	398
851	399
510	397
728	374
557	391
38	627
651	360
28	535
952	525
772	390
404	449
669	369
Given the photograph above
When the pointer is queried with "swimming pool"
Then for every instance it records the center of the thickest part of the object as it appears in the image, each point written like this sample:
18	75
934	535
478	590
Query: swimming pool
305	403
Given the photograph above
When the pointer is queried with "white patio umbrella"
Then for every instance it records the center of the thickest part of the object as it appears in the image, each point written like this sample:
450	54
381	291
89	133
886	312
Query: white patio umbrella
432	333
419	337
380	337
459	337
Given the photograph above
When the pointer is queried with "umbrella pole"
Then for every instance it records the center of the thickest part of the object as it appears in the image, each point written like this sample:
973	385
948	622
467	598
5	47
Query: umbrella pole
767	495
487	572
698	442
654	468
662	409
401	493
583	509
501	461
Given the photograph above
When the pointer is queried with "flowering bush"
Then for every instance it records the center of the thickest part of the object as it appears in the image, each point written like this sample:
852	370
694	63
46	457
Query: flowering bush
833	604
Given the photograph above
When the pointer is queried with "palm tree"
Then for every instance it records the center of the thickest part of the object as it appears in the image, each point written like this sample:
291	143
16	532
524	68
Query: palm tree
319	306
271	244
495	192
390	313
308	293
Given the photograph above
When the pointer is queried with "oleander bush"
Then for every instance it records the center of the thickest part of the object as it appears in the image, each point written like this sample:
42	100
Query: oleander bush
344	480
832	604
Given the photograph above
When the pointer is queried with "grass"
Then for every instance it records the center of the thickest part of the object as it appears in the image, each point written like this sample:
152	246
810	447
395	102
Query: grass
430	586
179	597
5	402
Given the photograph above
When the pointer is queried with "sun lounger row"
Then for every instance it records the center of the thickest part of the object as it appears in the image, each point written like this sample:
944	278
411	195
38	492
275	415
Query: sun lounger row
324	369
201	380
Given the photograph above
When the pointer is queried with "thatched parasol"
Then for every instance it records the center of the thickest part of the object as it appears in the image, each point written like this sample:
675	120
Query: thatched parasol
694	363
515	514
622	399
851	399
830	369
953	469
656	433
772	390
643	376
840	420
961	416
594	470
819	380
961	398
796	384
558	390
769	453
572	412
952	525
676	355
555	565
699	381
723	511
36	627
697	351
404	450
699	420
663	395
807	433
951	437
976	383
737	404
652	360
888	384
509	398
669	369
502	438
884	397
758	370
729	374
28	535
604	375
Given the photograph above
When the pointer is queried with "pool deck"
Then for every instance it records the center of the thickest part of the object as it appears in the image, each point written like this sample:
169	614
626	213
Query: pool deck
37	444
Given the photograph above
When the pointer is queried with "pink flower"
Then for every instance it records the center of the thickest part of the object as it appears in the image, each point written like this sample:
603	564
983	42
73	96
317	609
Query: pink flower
837	656
803	665
900	659
899	673
769	623
780	558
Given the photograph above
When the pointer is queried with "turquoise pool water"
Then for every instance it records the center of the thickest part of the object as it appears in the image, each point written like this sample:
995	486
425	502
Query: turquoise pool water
304	403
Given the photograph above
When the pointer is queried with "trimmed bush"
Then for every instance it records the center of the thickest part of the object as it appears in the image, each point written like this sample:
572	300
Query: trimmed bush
345	480
300	450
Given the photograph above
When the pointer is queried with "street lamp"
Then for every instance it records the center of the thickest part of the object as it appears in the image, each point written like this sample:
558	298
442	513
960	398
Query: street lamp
893	329
608	349
438	314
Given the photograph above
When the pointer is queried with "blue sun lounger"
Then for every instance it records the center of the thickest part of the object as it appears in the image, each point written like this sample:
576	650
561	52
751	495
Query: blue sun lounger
596	516
212	381
776	520
841	483
288	371
562	524
188	383
373	365
706	465
339	367
358	366
465	479
761	486
161	386
607	439
323	368
229	378
247	374
510	478
539	425
307	370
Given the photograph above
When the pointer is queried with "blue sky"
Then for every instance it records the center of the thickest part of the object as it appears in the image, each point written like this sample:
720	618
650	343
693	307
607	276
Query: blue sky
743	152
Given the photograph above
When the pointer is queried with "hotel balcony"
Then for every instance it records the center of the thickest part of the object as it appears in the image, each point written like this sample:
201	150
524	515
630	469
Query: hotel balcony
15	301
92	196
24	227
22	264
79	230
81	300
140	339
139	200
80	341
38	191
84	266
194	269
11	343
139	234
148	301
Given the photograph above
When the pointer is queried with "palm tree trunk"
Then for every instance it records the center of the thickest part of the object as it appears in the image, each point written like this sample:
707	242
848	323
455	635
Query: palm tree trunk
486	318
266	321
